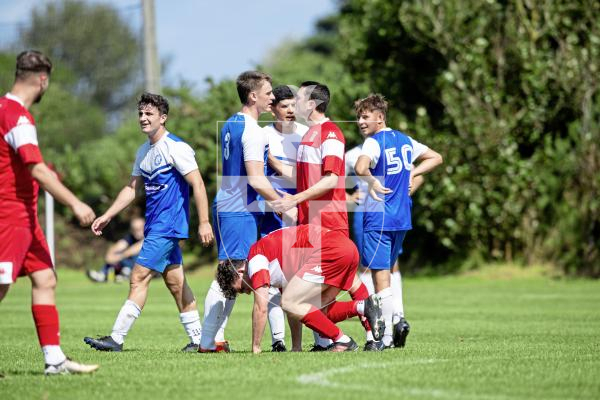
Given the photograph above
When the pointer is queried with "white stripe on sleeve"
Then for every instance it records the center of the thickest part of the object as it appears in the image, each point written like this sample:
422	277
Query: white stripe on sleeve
418	149
372	150
257	263
21	135
333	147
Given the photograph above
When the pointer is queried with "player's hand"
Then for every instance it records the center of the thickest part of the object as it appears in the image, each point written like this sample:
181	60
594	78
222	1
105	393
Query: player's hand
290	216
99	224
287	202
205	233
84	213
377	188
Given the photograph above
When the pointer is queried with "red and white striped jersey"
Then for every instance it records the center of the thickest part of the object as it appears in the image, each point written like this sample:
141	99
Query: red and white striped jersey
18	149
321	151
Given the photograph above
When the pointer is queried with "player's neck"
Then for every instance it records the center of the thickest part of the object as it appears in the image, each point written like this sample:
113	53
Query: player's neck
316	118
285	129
157	135
381	128
26	93
251	111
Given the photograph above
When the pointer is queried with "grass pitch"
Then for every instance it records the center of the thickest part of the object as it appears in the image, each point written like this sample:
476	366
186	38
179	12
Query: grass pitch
472	337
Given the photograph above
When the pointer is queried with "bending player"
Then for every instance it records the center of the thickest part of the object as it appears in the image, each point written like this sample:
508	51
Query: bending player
23	247
385	164
166	166
311	265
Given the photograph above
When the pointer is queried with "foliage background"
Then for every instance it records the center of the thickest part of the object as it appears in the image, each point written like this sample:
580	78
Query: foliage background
506	91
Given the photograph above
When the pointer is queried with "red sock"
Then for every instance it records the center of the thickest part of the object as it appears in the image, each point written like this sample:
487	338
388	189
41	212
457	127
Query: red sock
318	322
45	318
362	293
341	311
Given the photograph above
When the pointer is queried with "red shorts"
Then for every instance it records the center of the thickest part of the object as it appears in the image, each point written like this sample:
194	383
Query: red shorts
23	250
335	264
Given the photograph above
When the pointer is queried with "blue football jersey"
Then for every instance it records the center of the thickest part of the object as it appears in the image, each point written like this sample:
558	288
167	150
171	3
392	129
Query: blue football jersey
392	154
163	166
242	139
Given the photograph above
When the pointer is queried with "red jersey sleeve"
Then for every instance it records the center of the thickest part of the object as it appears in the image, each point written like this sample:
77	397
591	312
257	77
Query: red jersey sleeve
258	269
23	140
333	146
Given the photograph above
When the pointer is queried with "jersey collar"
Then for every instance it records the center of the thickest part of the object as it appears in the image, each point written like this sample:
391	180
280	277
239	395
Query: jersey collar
15	98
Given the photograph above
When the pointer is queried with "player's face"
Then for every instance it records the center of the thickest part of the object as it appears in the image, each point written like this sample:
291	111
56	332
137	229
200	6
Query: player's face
370	122
302	106
241	285
264	97
150	119
285	111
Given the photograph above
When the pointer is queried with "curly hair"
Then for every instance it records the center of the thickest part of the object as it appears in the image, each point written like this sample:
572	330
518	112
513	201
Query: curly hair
227	275
155	100
373	102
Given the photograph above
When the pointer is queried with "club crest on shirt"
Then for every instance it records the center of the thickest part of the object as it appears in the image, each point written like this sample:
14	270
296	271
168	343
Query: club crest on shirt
157	160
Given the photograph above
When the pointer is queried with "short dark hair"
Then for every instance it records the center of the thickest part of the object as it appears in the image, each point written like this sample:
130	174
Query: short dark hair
320	93
282	92
155	100
250	81
373	102
227	275
32	62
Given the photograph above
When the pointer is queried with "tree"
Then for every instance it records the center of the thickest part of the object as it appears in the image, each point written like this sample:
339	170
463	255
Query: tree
93	42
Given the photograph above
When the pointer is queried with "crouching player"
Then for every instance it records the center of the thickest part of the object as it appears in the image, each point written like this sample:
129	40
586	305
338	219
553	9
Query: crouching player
310	265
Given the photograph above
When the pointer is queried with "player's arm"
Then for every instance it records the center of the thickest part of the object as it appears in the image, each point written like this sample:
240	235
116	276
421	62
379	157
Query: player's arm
259	316
124	198
427	161
50	183
296	331
205	232
284	170
258	180
114	254
327	183
375	187
132	250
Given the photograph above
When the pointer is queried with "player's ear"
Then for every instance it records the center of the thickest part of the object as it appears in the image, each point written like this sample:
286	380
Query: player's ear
252	97
163	119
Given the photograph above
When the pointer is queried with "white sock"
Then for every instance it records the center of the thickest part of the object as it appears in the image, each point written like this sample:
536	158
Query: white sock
367	279
387	309
191	323
343	339
216	310
53	354
360	307
127	316
319	341
396	285
276	318
370	336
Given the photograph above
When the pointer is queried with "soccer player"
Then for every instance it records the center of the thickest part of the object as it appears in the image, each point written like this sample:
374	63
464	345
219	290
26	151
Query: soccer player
320	176
386	164
166	167
236	212
23	247
311	265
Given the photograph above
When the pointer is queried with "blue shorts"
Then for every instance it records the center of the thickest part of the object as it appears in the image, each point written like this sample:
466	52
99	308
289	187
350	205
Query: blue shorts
235	234
381	248
159	252
269	222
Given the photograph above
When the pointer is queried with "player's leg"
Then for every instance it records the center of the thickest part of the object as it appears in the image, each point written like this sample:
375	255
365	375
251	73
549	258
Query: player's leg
276	320
37	264
302	301
234	236
186	303
401	327
396	285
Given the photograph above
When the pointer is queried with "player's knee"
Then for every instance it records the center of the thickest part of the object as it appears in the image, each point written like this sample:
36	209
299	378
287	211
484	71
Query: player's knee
3	291
43	280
